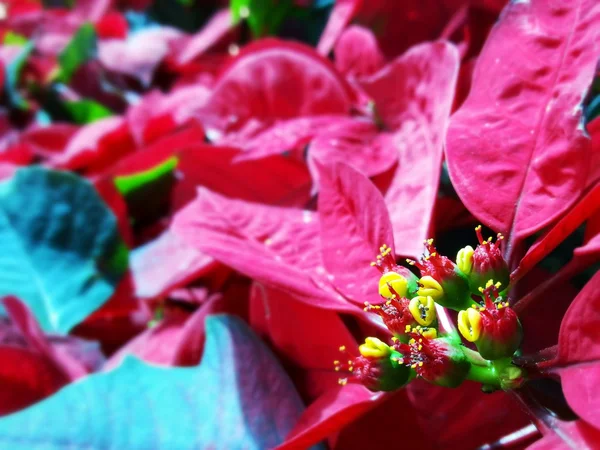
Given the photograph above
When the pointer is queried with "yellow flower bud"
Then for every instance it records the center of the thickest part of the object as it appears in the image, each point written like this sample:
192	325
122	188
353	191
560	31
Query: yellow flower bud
423	310
469	324
374	348
464	259
398	283
429	287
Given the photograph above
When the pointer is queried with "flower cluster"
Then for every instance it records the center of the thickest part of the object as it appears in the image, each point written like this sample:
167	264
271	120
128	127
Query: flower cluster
420	347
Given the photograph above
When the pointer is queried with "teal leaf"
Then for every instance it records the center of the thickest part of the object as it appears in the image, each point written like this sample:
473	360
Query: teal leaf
238	397
13	72
78	51
86	111
61	250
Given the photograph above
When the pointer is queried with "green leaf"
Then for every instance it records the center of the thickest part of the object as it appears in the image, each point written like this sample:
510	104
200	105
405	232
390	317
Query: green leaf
86	111
238	397
78	51
61	250
11	38
126	184
148	193
264	17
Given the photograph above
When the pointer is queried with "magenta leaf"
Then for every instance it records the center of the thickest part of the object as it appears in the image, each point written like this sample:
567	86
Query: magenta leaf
357	53
577	434
518	133
238	395
276	246
413	96
358	143
275	80
354	225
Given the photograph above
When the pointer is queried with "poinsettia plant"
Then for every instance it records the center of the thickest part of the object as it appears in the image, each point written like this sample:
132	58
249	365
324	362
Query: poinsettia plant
299	224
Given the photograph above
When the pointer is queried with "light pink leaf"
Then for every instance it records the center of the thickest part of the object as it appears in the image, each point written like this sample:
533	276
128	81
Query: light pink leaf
140	54
343	11
211	33
518	135
164	264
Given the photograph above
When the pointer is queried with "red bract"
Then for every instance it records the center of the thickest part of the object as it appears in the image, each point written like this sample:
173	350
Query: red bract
273	80
518	133
261	177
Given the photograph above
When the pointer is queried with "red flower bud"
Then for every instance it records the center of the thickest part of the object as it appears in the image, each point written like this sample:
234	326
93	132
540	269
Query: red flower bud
401	314
494	328
377	368
442	280
396	281
439	361
484	263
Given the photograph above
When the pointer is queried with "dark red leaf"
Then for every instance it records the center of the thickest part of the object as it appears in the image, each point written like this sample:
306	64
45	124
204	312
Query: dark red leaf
330	413
37	341
587	206
305	337
283	181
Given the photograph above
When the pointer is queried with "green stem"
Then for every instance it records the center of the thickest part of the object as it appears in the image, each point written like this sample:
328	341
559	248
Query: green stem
484	375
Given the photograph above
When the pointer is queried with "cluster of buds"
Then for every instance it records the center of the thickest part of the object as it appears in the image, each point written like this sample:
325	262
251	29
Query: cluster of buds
418	347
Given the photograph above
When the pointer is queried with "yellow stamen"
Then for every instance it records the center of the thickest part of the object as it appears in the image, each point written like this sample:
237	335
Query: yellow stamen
429	287
423	310
374	348
464	259
396	281
469	324
429	333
